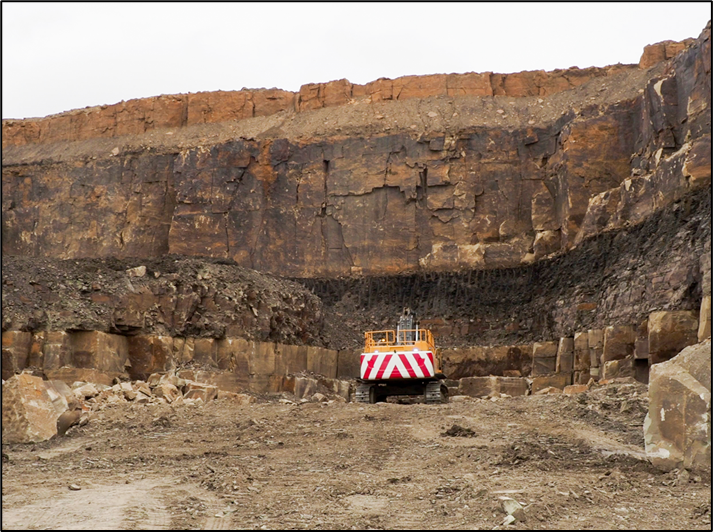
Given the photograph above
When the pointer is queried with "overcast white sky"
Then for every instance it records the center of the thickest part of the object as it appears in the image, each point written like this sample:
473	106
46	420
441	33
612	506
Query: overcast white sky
62	56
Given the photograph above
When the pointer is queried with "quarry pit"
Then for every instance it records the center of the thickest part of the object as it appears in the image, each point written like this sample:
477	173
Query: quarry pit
192	275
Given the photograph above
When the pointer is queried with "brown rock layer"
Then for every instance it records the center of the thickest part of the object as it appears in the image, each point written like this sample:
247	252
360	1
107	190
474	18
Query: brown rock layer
135	117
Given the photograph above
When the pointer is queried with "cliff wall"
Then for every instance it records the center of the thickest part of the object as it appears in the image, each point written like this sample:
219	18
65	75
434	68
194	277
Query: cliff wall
525	218
373	186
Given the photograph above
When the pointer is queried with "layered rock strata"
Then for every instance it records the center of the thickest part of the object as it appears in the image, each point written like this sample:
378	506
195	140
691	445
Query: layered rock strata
532	211
136	117
445	182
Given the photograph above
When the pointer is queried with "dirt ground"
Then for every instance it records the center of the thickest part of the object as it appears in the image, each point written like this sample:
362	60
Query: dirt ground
572	462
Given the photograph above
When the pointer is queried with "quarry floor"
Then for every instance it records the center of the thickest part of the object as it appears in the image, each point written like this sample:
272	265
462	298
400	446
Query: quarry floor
572	461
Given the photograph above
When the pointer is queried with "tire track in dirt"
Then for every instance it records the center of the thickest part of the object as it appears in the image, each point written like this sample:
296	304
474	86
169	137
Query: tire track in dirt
105	507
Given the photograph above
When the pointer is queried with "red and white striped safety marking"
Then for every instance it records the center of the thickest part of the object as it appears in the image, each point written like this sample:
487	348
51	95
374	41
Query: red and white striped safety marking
405	365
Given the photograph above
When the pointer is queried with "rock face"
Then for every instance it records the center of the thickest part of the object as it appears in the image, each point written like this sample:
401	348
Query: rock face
424	173
460	363
507	210
677	429
493	386
135	117
231	364
669	332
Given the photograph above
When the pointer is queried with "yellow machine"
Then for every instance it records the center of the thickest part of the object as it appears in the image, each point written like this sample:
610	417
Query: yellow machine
401	362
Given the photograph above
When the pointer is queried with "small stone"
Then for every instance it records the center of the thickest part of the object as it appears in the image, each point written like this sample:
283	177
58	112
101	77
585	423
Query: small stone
86	391
319	398
74	487
130	395
432	114
139	271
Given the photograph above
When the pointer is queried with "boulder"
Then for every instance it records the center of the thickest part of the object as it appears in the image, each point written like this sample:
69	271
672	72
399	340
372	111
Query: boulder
512	386
305	387
548	390
677	428
168	391
197	390
61	396
493	386
575	388
28	412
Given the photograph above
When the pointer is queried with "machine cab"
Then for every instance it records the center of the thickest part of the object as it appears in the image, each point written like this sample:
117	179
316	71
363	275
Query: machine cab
406	353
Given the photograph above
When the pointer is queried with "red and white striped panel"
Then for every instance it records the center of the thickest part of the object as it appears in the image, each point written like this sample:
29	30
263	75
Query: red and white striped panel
404	365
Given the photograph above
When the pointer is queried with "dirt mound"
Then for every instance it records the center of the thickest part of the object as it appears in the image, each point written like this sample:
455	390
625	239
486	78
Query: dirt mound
172	296
458	431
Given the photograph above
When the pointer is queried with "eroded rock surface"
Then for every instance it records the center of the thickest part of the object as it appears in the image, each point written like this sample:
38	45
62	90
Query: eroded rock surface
421	178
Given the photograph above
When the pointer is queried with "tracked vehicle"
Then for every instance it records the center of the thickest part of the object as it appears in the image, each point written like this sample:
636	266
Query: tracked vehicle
401	362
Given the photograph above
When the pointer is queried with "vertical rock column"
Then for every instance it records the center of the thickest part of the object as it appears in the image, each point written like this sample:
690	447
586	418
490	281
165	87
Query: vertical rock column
15	352
595	339
669	332
618	352
704	320
546	358
581	358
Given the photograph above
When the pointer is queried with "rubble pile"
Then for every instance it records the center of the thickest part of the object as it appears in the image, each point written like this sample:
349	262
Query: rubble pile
36	410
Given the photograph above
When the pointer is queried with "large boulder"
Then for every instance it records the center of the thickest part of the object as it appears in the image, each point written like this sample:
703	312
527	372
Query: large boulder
677	428
29	411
